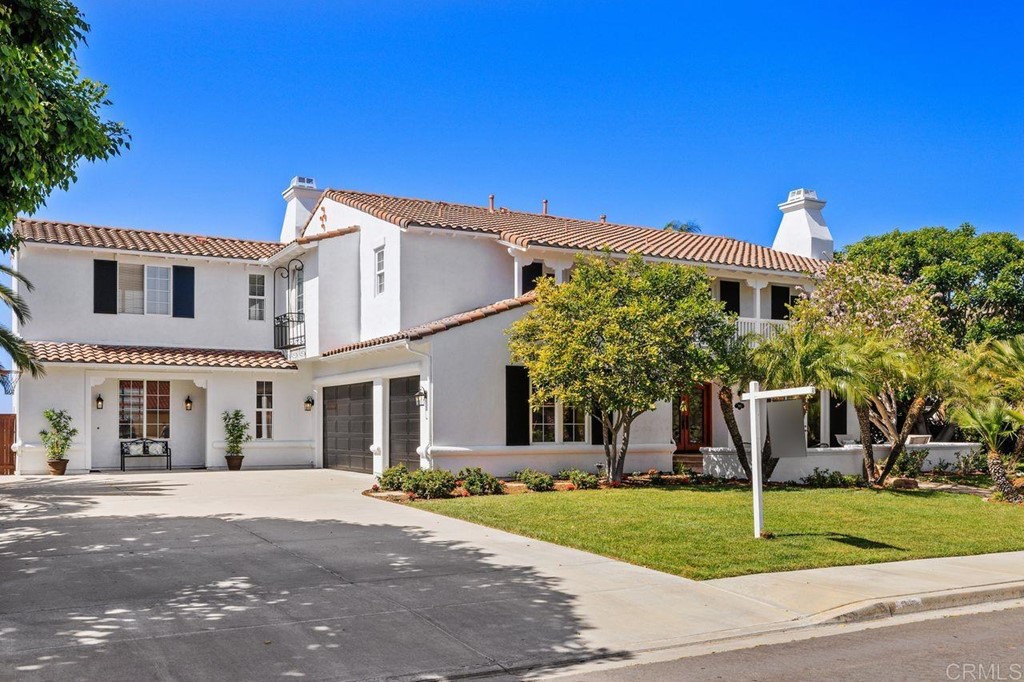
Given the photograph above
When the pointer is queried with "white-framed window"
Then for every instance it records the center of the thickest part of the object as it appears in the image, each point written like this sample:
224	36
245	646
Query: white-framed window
257	297
554	422
542	423
264	410
300	290
378	270
158	290
143	289
144	409
131	288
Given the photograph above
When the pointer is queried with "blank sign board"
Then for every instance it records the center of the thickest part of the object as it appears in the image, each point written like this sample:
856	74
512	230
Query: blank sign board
786	423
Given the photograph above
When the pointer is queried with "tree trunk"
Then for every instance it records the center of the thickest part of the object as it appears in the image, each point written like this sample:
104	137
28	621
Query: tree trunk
767	463
610	437
725	399
1002	482
863	411
1018	447
899	444
621	462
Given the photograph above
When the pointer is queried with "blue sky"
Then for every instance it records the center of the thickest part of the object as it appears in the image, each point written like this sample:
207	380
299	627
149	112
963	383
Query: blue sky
899	114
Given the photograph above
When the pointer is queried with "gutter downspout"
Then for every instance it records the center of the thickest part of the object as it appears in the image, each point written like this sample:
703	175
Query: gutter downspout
424	449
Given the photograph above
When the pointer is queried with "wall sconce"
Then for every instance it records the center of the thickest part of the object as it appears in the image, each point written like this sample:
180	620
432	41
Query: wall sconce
421	397
308	404
99	401
740	406
188	404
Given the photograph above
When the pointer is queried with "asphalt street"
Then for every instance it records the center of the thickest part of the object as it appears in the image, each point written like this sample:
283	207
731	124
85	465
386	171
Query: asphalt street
966	648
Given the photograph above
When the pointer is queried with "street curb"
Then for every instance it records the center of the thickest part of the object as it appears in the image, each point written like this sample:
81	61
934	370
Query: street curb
875	609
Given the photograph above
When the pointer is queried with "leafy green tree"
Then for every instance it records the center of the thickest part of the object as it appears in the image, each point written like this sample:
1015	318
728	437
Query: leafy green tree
854	303
50	117
619	337
979	278
996	368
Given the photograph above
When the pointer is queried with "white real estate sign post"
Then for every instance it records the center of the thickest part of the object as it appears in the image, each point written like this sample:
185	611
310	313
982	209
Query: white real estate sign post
757	397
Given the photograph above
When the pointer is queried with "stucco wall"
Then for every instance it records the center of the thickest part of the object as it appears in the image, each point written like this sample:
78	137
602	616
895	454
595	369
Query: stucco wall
62	306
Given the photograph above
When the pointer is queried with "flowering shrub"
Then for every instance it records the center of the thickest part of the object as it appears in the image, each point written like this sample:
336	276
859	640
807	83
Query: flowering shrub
580	479
430	483
536	481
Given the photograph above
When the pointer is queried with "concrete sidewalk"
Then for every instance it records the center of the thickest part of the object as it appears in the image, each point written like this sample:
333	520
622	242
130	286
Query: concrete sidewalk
259	574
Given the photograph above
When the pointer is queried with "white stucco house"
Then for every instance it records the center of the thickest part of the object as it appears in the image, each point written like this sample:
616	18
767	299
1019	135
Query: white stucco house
372	333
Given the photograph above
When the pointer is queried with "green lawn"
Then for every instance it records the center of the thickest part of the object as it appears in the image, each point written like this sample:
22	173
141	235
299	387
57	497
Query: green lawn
707	532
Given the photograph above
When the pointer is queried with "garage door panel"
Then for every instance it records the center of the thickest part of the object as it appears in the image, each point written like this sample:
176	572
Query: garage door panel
348	427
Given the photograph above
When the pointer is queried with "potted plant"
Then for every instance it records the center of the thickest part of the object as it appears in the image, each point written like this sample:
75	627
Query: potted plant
57	440
236	432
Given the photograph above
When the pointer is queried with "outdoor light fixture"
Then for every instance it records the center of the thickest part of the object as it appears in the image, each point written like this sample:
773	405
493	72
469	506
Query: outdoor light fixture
308	404
99	402
188	403
421	397
739	406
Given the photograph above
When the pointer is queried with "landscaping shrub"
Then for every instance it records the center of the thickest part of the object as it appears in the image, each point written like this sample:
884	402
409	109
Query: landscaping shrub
476	481
909	463
681	469
430	483
943	467
580	479
824	478
536	481
393	478
971	462
655	477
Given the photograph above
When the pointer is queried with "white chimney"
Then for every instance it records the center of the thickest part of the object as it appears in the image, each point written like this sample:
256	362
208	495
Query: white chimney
301	196
803	230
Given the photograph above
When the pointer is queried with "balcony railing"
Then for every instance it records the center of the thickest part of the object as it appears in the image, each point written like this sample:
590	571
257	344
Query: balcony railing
289	331
765	328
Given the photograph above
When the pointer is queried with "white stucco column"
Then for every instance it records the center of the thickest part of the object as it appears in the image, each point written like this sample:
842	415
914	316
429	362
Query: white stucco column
757	285
519	261
826	417
560	267
379	447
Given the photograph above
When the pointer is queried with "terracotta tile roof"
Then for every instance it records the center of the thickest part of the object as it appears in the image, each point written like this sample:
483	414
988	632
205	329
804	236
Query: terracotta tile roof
98	237
445	323
534	229
51	351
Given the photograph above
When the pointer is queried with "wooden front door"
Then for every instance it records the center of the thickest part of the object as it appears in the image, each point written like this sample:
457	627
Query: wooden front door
7	434
691	419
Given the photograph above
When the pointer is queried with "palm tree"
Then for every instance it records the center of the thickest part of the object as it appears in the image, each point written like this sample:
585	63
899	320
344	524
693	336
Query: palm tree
798	356
735	367
993	422
21	354
690	226
1001	363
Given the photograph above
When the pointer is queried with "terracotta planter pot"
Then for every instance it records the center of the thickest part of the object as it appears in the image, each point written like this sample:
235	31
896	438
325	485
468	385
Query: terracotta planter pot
57	467
234	462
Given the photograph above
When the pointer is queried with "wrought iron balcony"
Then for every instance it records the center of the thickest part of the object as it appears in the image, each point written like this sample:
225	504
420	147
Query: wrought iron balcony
289	331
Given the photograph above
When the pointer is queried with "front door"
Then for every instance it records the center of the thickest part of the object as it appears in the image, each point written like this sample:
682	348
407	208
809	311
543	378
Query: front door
691	417
404	422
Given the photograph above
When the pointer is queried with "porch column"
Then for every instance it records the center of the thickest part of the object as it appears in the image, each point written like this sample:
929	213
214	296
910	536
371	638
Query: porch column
560	267
826	417
757	285
379	446
518	261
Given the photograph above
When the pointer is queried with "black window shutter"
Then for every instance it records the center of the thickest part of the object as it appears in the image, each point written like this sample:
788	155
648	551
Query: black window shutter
517	406
184	297
104	287
730	295
531	273
596	430
780	302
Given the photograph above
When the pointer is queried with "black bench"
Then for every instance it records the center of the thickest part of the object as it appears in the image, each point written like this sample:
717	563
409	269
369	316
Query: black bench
143	447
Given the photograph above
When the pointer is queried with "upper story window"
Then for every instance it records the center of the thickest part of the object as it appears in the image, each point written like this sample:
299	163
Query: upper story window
729	294
300	290
158	290
264	410
257	297
138	289
378	270
143	289
131	288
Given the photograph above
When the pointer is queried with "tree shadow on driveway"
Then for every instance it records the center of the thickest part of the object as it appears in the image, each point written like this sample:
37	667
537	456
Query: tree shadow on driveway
216	597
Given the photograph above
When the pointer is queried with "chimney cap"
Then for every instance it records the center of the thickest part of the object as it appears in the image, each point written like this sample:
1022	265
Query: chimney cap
302	181
801	198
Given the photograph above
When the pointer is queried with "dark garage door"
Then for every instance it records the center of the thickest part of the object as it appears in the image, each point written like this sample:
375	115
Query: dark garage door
348	427
404	422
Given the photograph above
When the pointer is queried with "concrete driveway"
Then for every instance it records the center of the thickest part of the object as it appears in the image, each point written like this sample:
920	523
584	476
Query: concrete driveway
268	574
